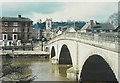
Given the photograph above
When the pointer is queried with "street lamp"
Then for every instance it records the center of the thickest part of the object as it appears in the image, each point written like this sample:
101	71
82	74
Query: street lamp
5	44
43	39
14	44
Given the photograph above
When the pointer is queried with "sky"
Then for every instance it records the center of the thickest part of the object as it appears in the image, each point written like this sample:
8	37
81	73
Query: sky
60	10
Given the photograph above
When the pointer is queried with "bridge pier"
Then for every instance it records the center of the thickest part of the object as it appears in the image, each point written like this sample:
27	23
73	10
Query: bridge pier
54	60
72	74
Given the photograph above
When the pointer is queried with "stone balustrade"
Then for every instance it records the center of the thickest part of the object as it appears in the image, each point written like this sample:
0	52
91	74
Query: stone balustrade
108	41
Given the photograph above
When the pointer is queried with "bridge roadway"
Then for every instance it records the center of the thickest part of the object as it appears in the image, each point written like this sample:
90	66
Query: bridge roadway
94	57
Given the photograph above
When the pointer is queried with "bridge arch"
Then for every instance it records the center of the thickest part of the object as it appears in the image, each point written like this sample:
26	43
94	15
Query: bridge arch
53	52
97	69
65	56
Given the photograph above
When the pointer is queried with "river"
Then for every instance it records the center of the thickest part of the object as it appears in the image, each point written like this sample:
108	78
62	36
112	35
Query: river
41	68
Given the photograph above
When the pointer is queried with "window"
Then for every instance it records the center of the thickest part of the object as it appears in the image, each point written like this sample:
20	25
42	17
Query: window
10	43
22	29
23	24
23	36
15	29
28	29
4	36
5	43
28	24
5	24
95	30
5	29
28	36
15	24
111	30
15	37
48	24
101	30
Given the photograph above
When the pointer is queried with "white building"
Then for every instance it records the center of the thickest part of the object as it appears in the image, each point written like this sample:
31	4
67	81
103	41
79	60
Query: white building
48	24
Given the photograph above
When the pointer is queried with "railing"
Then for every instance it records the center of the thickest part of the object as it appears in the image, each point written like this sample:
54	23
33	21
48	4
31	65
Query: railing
108	41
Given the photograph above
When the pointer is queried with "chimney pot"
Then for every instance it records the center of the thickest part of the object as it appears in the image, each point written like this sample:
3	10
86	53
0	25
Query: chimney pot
19	16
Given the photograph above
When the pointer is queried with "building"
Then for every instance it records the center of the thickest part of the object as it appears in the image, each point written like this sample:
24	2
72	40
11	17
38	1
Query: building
37	34
117	29
48	34
48	24
88	26
103	27
15	31
93	26
1	40
59	32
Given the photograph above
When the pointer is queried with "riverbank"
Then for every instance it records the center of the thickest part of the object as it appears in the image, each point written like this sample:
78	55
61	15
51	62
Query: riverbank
25	53
39	69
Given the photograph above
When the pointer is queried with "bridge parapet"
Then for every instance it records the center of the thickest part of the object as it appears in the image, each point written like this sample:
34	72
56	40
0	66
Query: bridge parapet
108	41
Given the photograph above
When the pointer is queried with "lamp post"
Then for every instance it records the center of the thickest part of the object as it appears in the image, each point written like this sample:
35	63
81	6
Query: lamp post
42	43
13	48
5	44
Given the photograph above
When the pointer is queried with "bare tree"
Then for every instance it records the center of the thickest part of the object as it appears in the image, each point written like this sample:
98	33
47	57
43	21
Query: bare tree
113	19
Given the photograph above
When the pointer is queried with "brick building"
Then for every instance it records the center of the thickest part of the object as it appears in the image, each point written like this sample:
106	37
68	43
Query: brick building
15	31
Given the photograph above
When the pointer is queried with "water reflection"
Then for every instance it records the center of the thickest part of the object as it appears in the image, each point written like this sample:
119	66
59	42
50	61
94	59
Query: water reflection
13	70
59	70
41	68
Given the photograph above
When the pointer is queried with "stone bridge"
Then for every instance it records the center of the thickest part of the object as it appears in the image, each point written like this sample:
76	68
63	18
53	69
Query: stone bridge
93	56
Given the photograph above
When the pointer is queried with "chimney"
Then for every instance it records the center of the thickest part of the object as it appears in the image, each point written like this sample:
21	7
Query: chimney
19	16
92	24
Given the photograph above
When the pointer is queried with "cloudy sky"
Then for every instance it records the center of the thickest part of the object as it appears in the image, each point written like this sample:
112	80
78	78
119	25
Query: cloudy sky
60	11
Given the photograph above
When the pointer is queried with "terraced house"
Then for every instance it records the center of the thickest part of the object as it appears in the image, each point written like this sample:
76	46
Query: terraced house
16	32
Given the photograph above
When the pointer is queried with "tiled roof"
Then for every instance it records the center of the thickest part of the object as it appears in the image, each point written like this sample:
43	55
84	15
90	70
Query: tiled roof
15	19
103	26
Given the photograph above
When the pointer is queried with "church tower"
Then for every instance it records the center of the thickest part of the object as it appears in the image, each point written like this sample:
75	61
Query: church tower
48	24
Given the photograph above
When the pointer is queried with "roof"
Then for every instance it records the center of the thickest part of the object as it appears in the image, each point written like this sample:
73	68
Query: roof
86	26
98	26
70	30
103	26
117	29
15	19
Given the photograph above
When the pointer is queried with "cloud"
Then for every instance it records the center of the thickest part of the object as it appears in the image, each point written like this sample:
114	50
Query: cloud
61	11
0	10
59	0
13	8
81	11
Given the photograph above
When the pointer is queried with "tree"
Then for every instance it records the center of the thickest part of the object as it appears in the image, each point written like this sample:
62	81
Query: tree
14	73
113	19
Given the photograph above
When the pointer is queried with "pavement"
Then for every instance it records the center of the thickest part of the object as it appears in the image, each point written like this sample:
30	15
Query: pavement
24	52
30	52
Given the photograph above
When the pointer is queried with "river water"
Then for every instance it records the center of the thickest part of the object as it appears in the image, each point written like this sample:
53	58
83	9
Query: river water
42	69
